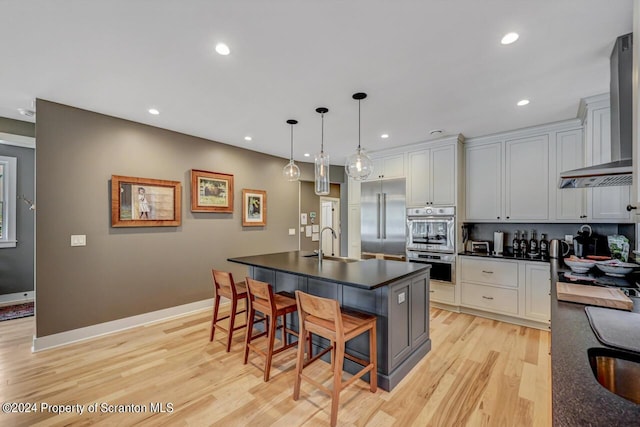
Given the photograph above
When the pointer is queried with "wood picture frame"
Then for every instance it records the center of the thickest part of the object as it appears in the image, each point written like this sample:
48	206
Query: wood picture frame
211	191
254	208
145	202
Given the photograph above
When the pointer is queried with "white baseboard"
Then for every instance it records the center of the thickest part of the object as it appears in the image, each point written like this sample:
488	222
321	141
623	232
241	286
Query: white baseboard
64	338
16	298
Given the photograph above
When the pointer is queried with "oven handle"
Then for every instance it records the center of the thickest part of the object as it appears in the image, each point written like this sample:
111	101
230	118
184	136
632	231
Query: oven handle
430	261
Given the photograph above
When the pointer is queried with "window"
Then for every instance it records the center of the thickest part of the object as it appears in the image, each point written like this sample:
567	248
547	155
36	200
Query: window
8	173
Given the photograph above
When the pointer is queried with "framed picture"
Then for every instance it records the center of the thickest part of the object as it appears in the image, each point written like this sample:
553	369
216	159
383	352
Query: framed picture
211	191
145	202
254	208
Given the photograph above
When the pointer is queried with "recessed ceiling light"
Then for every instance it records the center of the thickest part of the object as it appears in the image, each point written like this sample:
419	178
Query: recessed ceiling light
523	102
307	154
384	136
223	49
247	138
436	132
154	111
509	38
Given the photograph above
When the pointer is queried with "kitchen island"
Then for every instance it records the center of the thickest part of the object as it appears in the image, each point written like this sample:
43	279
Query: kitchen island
394	291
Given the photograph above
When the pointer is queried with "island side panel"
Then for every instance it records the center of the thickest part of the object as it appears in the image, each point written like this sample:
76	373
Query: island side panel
419	310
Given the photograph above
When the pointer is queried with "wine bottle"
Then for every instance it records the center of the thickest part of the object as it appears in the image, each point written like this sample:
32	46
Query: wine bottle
533	245
544	246
523	243
516	244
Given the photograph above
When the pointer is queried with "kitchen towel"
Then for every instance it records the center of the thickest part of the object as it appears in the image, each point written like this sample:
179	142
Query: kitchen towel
615	328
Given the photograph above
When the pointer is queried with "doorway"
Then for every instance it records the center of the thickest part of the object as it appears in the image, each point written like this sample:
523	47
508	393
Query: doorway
330	217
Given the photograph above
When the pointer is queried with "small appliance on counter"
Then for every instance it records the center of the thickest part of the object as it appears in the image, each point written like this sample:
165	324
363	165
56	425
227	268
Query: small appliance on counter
479	246
498	242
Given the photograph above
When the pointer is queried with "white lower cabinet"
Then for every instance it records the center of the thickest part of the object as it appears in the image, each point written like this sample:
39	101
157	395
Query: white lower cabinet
537	288
511	288
442	292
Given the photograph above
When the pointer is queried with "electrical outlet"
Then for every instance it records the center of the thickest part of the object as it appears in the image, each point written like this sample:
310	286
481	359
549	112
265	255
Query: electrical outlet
78	240
568	238
292	232
401	298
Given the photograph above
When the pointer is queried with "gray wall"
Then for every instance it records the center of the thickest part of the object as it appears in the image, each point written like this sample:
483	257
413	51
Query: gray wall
127	271
16	264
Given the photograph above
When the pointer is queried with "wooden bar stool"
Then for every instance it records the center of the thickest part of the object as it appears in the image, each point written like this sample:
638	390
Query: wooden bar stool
235	292
322	316
263	300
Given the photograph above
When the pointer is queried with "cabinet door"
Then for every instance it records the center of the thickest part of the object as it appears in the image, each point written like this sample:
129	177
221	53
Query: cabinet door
419	310
607	203
354	231
418	184
537	284
570	202
443	176
354	192
393	166
400	317
527	178
483	182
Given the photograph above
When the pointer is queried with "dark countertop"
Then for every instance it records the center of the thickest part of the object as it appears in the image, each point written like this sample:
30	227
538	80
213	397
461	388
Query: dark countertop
367	274
509	257
578	399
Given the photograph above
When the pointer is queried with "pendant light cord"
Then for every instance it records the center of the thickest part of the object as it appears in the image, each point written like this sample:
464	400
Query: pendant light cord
358	126
291	158
322	135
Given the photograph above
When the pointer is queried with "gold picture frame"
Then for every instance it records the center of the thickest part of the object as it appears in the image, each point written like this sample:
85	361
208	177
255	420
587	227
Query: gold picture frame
211	191
145	202
254	208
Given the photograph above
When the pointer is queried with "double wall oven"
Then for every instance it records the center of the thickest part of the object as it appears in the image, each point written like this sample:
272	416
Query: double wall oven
431	240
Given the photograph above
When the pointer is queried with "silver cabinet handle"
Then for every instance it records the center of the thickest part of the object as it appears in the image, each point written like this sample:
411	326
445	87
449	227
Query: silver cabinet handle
487	297
488	272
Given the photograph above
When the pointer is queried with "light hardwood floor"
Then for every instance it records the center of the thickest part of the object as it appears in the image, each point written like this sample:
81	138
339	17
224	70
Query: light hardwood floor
480	372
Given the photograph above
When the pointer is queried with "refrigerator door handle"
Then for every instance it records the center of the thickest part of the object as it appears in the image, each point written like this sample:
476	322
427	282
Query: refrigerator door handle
378	214
384	215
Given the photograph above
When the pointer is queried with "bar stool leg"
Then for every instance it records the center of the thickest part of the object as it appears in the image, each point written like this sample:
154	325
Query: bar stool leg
373	359
232	321
271	336
300	361
216	306
249	333
337	380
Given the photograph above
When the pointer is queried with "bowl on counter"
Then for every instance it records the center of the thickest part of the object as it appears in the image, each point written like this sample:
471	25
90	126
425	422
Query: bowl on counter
579	265
616	268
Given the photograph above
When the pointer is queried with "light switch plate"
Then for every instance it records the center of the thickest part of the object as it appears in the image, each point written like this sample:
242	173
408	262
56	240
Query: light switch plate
292	232
78	240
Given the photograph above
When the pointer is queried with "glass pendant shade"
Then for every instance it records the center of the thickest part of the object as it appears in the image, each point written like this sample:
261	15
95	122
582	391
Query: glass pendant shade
359	166
291	171
322	174
322	162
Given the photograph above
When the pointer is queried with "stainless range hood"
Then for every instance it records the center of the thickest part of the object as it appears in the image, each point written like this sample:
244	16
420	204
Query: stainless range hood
619	171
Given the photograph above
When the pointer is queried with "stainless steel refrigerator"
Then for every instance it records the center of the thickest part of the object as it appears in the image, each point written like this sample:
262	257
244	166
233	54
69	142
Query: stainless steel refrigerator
383	220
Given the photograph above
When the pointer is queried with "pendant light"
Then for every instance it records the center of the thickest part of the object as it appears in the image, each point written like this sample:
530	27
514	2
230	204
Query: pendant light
359	166
322	161
291	171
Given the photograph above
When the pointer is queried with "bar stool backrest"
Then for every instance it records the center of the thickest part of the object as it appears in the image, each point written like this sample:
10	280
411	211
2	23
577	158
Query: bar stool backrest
225	286
261	295
322	308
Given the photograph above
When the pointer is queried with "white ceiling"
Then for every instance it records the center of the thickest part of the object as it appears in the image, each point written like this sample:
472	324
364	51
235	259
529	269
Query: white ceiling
425	64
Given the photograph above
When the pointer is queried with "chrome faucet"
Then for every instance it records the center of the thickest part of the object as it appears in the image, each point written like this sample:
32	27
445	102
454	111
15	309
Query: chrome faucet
320	248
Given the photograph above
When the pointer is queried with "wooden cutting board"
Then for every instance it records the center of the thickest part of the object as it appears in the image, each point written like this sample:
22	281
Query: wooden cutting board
594	295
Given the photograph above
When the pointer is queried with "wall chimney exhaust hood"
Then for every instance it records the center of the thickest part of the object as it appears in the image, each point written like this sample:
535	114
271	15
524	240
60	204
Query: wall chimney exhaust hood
619	171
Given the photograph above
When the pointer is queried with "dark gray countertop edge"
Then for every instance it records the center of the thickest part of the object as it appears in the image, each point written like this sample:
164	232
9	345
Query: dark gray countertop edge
577	397
415	269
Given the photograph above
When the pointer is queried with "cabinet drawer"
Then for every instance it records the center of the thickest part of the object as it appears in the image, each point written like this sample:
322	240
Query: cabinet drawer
490	272
499	300
441	292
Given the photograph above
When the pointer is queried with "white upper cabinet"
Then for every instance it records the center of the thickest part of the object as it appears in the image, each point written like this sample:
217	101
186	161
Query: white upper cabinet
432	176
388	167
527	179
570	202
483	167
607	203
